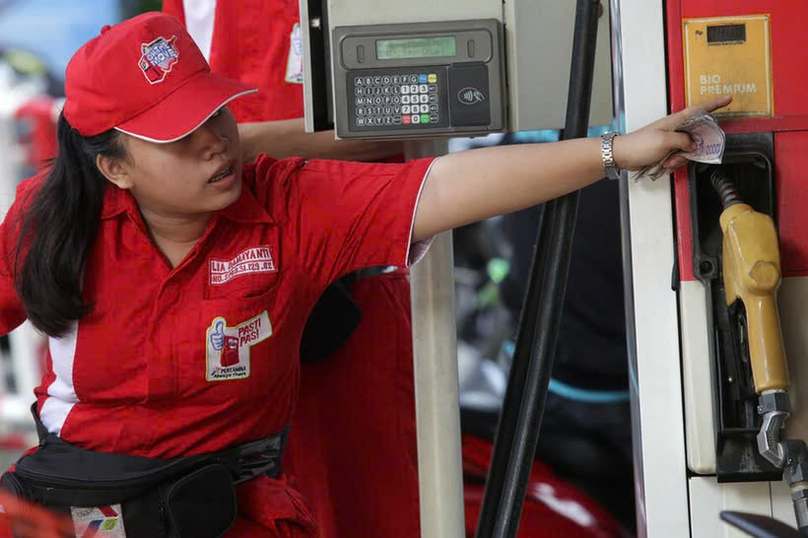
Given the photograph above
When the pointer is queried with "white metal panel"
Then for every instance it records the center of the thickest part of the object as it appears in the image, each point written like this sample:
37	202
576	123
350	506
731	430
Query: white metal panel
698	379
793	306
657	342
708	498
782	507
350	12
538	38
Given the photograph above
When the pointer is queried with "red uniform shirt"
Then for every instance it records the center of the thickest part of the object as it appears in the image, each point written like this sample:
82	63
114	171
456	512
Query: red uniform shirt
337	457
204	356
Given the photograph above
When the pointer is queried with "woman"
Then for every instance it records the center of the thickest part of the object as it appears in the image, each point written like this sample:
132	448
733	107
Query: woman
174	282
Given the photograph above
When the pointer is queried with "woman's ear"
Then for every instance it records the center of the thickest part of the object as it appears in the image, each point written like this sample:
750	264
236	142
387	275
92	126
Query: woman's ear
115	170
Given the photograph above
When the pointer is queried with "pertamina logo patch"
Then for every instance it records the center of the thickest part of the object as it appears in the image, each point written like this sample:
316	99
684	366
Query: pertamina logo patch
101	522
228	348
251	260
158	57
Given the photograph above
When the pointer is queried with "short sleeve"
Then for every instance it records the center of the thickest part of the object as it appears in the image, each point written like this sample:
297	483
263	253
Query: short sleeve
347	215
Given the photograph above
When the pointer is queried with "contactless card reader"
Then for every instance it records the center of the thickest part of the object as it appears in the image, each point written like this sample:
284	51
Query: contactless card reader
419	79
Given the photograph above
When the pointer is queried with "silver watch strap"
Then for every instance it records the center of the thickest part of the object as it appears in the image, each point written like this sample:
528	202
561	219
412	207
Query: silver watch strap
607	154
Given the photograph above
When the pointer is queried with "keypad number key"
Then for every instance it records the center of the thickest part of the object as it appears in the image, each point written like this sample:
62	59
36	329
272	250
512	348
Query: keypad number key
387	100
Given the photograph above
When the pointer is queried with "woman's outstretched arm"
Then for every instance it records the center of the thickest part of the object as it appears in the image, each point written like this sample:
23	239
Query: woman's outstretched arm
473	185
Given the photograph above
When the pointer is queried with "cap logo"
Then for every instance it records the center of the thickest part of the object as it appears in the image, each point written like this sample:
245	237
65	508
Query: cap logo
158	58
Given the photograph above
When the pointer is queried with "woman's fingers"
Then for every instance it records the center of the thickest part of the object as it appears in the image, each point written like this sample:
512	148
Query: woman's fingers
714	104
674	162
682	141
706	106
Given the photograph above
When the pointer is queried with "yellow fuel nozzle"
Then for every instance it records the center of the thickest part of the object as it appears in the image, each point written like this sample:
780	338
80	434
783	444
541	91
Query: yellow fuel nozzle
751	271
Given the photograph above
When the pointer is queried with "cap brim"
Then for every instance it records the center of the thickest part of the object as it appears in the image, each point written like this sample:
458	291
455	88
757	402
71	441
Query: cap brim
191	105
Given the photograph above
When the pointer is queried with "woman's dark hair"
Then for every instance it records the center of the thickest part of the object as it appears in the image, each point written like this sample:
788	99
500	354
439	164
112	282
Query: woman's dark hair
59	229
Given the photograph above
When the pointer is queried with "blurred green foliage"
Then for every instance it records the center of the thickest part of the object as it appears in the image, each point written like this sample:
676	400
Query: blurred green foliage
130	8
151	5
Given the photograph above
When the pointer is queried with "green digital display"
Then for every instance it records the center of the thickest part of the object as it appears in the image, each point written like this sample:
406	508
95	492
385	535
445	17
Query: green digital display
416	47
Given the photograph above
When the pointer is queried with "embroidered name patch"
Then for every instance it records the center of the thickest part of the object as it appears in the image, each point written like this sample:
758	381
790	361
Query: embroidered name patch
228	348
251	260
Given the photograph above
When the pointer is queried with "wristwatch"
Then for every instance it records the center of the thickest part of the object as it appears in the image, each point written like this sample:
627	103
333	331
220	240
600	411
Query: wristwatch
606	153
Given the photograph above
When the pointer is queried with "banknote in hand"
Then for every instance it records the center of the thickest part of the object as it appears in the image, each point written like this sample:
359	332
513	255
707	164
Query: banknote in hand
706	133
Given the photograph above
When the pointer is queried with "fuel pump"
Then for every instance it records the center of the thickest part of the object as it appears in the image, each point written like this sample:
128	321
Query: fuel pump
718	350
751	276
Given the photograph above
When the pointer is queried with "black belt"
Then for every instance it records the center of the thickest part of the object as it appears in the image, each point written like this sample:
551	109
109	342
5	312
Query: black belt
245	461
160	497
261	457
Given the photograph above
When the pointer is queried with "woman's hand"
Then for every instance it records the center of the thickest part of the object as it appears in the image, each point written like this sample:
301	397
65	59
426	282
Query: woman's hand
657	140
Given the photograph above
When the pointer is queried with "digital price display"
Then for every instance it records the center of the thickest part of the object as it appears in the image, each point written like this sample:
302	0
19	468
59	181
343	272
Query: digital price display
416	47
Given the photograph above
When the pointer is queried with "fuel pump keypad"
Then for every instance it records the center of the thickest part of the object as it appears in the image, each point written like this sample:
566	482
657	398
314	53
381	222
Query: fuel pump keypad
398	100
413	80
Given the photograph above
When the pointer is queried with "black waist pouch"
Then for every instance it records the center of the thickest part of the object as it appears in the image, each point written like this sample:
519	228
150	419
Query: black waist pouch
191	497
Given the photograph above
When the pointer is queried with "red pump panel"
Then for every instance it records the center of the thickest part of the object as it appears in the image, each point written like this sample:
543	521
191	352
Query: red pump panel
791	171
789	55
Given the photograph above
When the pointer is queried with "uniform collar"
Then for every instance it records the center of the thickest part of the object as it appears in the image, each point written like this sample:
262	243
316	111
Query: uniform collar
117	201
246	209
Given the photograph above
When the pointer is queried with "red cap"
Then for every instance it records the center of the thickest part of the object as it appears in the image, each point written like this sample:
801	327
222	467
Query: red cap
145	77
